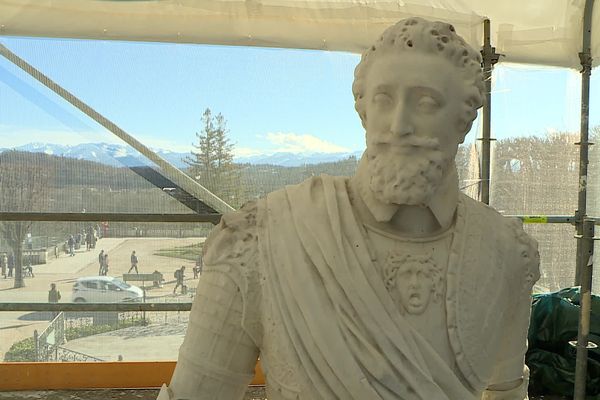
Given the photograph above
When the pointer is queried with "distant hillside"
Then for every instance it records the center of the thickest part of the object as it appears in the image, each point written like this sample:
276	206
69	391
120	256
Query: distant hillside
68	171
81	184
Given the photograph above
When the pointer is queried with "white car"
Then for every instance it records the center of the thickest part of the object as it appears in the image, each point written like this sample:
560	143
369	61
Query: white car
104	289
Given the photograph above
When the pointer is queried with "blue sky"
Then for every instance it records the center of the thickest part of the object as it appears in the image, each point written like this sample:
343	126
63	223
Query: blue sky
273	99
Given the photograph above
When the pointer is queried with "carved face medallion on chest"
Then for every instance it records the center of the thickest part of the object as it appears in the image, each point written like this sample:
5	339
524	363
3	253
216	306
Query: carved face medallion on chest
413	281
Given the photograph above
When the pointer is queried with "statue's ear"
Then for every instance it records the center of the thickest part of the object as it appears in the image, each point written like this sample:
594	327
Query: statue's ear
462	128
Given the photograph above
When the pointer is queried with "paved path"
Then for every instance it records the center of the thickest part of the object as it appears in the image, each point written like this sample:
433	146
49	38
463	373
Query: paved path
155	342
15	326
66	264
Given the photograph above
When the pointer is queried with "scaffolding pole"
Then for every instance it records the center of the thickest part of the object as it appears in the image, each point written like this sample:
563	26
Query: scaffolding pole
586	70
584	225
585	308
489	57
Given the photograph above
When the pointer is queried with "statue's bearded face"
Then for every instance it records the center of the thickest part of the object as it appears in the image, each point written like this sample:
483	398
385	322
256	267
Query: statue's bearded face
413	110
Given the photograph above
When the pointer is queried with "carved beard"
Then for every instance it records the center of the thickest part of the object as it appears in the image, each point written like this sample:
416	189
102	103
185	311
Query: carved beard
408	172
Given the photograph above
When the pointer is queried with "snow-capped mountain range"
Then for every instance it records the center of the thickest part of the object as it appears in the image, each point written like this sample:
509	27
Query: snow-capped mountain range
122	155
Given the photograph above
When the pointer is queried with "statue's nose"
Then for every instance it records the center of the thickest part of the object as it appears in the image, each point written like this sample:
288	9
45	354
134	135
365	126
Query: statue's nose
413	281
401	124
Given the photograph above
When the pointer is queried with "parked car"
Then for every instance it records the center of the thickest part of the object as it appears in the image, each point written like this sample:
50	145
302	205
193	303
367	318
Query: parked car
104	289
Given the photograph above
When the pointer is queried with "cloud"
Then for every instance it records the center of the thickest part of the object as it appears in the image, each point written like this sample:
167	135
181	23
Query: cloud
282	142
247	152
295	143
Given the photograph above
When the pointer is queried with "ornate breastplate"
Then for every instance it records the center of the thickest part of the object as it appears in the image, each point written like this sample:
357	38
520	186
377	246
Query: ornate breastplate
414	274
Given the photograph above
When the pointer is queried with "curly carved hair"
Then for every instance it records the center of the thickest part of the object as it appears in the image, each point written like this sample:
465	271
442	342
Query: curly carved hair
419	35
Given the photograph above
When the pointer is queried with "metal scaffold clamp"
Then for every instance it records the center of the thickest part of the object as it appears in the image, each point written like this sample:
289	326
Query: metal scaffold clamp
585	59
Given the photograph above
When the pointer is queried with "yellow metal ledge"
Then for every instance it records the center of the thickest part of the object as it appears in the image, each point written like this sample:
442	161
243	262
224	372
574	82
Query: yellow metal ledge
91	375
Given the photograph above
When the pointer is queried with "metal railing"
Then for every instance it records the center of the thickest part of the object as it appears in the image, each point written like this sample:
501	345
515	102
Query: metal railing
48	341
119	307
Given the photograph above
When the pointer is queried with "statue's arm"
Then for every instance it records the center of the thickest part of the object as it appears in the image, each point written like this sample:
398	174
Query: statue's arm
511	374
219	352
217	358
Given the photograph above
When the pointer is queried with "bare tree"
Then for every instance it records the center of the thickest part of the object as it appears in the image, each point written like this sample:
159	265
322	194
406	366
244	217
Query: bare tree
23	184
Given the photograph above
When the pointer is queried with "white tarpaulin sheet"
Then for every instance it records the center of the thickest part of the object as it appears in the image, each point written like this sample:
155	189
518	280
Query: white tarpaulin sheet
546	32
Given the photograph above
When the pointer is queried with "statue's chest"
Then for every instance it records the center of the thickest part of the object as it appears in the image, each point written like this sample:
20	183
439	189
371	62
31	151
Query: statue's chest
414	272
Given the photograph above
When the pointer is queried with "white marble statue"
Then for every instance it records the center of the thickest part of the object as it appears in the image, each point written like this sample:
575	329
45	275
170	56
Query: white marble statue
389	285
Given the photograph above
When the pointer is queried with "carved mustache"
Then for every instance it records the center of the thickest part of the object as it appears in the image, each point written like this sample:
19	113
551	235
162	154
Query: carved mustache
411	141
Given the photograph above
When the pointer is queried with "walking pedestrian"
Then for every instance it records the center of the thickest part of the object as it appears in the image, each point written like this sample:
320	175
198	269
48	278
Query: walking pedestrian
53	297
11	264
101	262
179	276
3	264
198	267
134	263
53	294
71	244
105	265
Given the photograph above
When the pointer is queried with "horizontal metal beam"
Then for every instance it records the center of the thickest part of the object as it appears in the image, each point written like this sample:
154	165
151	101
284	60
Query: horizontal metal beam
114	217
211	218
545	219
95	307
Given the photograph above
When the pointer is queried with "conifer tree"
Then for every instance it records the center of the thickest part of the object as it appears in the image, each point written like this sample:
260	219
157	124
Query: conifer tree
212	162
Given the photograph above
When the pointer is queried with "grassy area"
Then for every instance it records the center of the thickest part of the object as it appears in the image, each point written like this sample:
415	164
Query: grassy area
24	350
190	252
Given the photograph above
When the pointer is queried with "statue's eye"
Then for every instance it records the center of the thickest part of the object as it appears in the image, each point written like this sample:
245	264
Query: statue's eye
427	104
382	99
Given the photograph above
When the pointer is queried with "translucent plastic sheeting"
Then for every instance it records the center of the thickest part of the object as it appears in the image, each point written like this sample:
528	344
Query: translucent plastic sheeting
160	94
593	180
557	257
535	159
547	32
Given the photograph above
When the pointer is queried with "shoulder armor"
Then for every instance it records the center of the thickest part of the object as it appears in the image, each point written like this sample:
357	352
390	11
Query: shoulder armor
233	240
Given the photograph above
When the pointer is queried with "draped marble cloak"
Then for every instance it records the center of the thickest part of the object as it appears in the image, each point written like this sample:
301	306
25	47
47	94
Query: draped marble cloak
314	291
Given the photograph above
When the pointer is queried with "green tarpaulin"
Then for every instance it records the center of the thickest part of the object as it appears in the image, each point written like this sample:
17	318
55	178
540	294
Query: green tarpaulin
551	359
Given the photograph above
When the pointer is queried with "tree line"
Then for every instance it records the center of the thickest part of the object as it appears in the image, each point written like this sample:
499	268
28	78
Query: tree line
530	175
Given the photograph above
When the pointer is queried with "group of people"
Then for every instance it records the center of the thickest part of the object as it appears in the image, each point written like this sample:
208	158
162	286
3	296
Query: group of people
103	261
88	236
92	234
179	275
7	264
